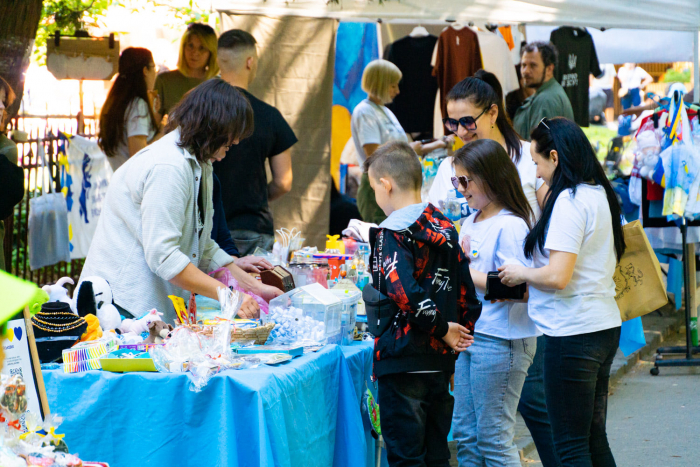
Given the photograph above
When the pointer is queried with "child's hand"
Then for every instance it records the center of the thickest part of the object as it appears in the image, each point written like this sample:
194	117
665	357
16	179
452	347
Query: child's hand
458	337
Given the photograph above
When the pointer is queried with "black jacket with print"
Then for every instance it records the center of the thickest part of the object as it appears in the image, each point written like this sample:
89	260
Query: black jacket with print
423	301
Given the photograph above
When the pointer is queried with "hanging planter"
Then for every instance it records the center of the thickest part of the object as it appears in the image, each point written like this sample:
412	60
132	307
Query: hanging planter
83	57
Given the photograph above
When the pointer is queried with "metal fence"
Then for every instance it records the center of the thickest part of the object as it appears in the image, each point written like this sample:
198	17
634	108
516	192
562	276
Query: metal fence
40	130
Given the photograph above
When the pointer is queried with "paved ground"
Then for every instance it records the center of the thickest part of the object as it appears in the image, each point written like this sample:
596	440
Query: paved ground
653	421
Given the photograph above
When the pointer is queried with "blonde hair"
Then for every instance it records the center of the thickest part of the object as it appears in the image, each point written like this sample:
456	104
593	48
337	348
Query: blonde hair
378	76
208	37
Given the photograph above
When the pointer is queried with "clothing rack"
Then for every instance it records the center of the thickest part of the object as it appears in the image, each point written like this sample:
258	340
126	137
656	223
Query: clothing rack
689	291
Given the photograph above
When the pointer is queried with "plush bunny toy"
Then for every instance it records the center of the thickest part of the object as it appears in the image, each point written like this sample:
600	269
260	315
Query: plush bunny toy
141	325
58	293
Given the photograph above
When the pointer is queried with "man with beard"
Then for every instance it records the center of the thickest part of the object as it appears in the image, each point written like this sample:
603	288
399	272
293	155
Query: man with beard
538	61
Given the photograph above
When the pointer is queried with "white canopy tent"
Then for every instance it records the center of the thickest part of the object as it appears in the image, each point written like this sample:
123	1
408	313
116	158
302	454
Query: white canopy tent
313	94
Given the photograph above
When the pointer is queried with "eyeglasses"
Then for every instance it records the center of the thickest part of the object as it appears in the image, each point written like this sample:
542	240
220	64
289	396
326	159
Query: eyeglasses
544	122
468	122
461	180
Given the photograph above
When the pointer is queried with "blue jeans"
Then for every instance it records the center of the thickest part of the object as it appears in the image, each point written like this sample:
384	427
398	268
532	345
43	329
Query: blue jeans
576	378
416	411
533	408
488	379
631	99
246	241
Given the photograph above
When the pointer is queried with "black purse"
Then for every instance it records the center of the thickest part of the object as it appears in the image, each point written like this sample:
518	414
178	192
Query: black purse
495	290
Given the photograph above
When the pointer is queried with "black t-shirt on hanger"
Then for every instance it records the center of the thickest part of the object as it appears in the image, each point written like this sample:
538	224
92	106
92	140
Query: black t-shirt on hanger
577	59
414	107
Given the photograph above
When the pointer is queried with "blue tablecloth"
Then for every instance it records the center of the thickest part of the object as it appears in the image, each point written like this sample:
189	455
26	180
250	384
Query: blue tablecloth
302	413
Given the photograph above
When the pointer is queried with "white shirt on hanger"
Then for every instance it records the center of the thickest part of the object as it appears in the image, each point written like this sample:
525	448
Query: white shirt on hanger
495	56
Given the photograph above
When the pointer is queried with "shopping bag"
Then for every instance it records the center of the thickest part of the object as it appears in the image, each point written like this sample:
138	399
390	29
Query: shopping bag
632	336
639	286
48	222
85	176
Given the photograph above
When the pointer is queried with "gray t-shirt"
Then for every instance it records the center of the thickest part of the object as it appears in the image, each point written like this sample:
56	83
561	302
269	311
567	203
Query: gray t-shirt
374	124
137	122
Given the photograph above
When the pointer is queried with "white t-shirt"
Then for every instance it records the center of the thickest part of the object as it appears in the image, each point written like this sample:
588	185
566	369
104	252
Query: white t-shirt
608	79
496	58
374	124
137	122
492	243
526	169
580	224
632	79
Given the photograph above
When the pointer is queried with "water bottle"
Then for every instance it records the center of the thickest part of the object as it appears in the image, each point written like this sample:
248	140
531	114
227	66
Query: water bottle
453	207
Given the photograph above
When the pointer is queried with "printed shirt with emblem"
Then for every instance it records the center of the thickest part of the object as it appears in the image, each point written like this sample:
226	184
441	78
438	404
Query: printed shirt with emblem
493	243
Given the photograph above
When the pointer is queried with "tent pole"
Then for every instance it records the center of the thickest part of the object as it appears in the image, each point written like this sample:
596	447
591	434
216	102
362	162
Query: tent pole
696	66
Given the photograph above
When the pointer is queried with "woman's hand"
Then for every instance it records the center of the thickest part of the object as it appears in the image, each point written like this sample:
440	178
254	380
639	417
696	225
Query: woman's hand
249	308
458	337
512	274
254	264
417	147
268	292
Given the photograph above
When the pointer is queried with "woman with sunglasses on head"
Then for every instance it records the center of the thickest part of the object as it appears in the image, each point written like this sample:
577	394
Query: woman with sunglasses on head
489	376
575	247
475	111
127	121
373	124
196	63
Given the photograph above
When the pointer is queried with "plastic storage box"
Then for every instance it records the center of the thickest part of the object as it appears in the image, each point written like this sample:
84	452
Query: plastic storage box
317	303
348	316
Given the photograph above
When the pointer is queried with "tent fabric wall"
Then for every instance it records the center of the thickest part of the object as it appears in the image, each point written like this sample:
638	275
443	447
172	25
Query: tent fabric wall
677	15
295	75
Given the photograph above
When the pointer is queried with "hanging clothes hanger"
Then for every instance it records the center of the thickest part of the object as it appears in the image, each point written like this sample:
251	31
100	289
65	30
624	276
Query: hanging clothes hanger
455	24
419	31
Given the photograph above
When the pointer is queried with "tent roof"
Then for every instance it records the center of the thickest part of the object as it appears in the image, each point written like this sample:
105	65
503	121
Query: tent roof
638	14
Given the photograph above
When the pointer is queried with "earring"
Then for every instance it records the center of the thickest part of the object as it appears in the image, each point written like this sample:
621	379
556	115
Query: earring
492	127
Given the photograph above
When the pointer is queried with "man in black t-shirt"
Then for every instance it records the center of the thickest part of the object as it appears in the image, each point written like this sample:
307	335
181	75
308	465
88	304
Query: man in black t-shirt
244	186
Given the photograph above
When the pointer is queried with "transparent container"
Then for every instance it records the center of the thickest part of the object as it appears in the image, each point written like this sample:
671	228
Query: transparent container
348	316
320	305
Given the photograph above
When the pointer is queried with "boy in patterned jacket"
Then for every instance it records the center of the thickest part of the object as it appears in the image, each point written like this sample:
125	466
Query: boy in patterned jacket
418	263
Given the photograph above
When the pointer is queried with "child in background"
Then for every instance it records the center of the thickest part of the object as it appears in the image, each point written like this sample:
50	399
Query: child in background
418	264
490	374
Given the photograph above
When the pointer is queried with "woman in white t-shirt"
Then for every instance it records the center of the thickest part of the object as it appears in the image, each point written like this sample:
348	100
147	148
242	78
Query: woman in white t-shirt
575	247
373	124
127	121
489	375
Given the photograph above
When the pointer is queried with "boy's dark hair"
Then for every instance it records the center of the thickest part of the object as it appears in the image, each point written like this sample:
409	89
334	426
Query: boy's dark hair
398	161
236	38
211	116
547	50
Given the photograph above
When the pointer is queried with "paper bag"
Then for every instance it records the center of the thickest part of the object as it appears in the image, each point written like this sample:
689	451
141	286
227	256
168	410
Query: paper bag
639	286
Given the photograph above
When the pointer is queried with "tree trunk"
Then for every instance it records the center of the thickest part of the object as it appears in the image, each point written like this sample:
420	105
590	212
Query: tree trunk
19	20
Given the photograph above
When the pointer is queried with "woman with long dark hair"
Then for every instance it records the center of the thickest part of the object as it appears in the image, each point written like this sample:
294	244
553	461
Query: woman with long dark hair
575	247
153	238
127	121
489	375
475	110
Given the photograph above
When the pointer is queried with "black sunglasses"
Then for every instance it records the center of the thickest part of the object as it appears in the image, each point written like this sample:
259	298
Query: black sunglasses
467	122
461	180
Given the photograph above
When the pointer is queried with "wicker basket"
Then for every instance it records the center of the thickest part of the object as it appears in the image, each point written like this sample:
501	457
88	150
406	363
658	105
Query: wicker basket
260	334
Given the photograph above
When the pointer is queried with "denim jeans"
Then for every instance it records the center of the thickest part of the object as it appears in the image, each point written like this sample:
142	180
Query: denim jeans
246	241
488	379
533	408
416	416
576	377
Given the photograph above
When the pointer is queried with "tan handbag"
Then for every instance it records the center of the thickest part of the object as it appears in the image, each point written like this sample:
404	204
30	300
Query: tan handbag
639	285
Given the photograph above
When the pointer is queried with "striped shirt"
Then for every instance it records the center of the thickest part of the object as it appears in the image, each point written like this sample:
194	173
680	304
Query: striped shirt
148	230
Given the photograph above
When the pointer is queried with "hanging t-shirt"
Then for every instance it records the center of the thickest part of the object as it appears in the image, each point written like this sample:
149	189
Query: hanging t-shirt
373	124
497	60
495	242
137	122
577	59
458	57
580	224
242	172
413	107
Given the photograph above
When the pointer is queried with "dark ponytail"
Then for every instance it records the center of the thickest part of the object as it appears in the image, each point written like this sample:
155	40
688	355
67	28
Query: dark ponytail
484	90
577	164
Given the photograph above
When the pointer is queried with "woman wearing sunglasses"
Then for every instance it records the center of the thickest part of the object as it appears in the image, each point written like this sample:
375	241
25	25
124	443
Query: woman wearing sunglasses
575	247
373	124
475	110
489	375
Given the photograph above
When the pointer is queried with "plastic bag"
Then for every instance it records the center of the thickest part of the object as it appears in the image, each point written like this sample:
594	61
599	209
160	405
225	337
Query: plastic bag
224	276
48	223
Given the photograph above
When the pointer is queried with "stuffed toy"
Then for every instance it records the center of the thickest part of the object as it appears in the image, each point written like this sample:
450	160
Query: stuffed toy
140	325
94	296
157	331
58	293
93	331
